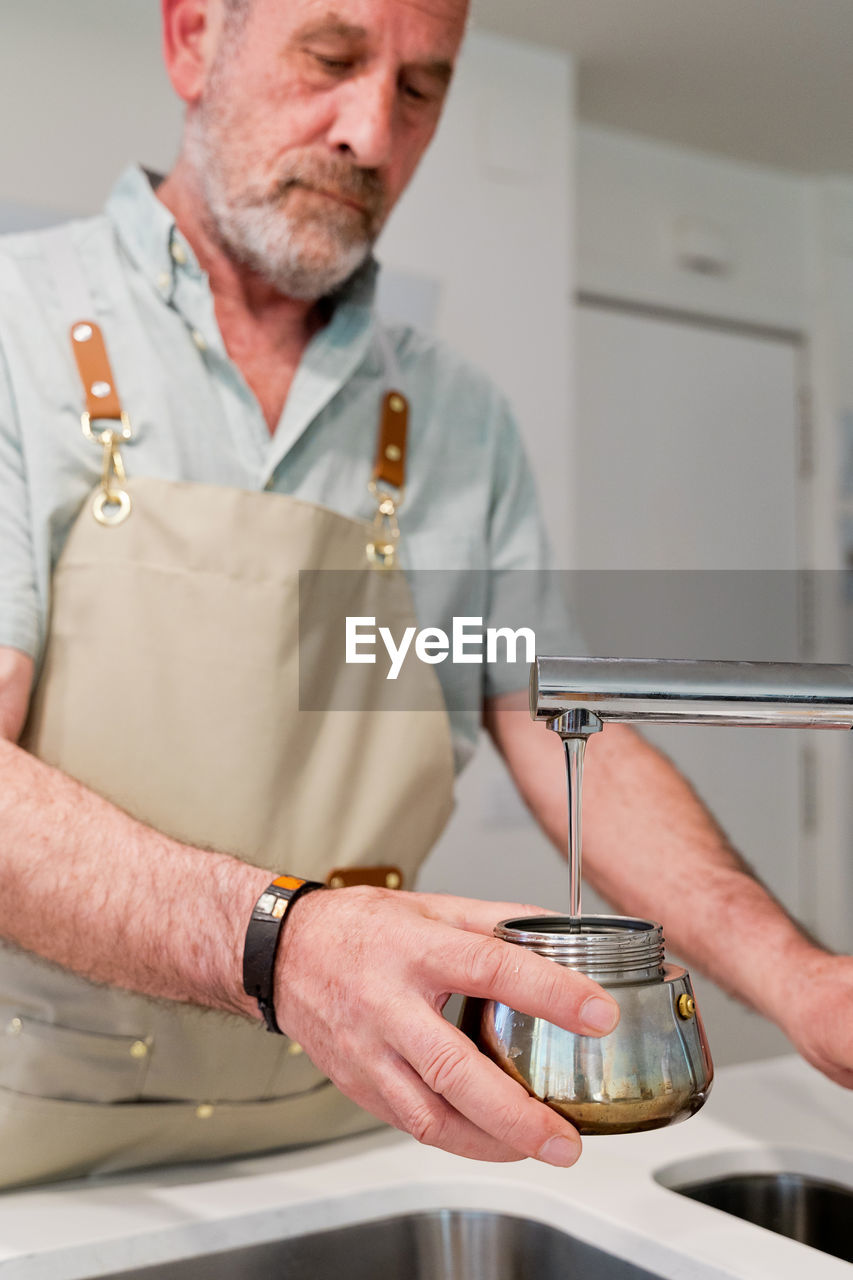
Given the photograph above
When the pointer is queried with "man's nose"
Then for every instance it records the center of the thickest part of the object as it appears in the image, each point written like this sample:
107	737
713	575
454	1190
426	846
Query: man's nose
364	124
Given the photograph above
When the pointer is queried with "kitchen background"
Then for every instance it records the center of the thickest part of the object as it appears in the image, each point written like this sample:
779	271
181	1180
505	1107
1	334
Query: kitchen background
638	216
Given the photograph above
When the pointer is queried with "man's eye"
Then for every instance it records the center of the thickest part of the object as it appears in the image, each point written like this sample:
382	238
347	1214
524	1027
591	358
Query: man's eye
338	66
416	94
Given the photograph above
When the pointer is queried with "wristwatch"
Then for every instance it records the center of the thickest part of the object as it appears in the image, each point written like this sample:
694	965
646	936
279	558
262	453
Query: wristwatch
262	938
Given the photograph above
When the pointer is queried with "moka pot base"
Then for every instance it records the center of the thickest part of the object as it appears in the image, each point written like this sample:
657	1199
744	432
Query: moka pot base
653	1070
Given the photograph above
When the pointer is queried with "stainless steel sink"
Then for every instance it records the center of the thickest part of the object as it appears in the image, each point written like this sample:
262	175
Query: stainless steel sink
444	1245
807	1209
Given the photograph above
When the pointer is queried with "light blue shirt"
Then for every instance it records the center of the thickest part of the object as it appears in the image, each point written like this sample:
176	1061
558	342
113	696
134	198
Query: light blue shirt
470	500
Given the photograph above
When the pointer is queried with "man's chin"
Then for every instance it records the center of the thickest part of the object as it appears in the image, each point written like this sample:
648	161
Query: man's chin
308	281
305	258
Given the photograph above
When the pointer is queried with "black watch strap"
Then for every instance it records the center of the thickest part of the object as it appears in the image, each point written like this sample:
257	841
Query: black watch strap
262	939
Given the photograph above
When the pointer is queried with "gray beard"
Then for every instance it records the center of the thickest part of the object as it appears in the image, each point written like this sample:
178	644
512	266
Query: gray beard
263	236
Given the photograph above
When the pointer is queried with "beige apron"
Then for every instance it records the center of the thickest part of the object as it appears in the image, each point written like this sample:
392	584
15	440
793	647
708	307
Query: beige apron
171	687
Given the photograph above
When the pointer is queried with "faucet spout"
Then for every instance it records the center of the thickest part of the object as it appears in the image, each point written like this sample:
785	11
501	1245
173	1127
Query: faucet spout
586	692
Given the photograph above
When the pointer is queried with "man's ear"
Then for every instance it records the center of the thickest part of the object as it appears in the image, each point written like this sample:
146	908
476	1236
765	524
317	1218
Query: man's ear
191	30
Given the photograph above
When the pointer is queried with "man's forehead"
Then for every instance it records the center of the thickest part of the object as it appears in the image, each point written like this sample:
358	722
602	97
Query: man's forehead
451	11
365	16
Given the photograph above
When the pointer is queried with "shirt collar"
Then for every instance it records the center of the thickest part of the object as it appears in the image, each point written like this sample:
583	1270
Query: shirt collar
146	229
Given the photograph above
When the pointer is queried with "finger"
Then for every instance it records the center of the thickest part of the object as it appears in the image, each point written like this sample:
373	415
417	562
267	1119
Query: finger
475	1087
395	1094
496	970
430	1118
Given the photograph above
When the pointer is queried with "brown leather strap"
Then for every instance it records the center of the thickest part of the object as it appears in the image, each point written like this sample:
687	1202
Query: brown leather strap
390	465
93	365
379	877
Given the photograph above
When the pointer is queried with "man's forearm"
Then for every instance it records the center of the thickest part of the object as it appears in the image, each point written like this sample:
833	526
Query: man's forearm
652	848
95	891
88	887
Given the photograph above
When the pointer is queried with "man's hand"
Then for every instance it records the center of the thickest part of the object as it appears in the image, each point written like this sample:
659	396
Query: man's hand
362	976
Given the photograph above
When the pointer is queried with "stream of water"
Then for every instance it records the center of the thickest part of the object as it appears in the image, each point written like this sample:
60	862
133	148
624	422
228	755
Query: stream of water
575	748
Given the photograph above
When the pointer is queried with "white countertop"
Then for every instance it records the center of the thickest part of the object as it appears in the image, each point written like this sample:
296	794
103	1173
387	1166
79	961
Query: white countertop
760	1117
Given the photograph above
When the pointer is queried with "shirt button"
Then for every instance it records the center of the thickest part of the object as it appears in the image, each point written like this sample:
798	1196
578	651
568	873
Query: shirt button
199	339
204	1111
179	253
164	282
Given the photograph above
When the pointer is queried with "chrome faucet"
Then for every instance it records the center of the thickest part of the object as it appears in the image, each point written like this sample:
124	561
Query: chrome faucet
576	695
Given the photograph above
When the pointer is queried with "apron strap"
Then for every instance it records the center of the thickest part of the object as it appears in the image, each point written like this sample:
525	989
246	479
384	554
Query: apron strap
111	504
390	463
93	365
87	342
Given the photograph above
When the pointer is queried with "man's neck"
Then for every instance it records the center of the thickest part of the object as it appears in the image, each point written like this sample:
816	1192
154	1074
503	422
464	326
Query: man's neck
265	333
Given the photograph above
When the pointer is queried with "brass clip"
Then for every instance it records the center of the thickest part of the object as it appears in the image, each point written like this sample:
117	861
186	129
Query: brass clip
101	437
382	548
111	504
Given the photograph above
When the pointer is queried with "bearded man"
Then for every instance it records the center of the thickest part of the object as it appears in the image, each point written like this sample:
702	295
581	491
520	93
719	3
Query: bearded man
173	987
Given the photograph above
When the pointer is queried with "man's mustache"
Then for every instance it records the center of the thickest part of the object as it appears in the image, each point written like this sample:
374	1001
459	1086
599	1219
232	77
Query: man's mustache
347	181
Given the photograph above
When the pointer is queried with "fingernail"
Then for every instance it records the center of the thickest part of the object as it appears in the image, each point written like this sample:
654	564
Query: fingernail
559	1151
600	1015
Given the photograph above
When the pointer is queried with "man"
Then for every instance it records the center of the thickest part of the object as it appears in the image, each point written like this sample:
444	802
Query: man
161	727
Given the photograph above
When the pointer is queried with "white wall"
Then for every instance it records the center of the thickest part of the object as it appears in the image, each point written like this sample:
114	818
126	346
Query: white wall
639	200
84	93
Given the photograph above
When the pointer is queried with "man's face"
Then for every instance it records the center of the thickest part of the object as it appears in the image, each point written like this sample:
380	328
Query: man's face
313	118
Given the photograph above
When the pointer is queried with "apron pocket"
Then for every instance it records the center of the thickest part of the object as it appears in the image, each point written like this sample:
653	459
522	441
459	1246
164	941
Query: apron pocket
50	1061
